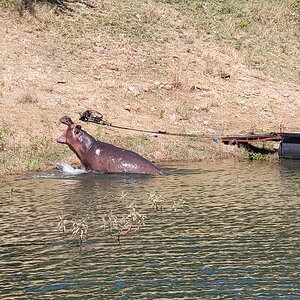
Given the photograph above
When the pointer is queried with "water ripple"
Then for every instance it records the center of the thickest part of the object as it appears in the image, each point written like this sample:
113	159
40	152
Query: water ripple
237	237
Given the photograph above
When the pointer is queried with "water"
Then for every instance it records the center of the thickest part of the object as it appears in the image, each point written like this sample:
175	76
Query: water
225	231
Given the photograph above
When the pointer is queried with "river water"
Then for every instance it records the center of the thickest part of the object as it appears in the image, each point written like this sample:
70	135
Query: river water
211	231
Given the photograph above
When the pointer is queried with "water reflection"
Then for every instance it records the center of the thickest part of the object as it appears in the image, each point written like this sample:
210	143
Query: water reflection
237	237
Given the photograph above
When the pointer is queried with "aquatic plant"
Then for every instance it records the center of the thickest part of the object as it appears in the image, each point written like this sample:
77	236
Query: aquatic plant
119	225
62	224
179	204
135	218
125	224
79	228
123	197
156	201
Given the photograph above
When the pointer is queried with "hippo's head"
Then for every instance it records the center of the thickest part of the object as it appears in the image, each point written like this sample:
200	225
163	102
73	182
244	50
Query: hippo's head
77	139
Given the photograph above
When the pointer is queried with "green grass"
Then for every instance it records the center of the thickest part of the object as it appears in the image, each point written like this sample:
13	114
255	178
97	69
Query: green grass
8	4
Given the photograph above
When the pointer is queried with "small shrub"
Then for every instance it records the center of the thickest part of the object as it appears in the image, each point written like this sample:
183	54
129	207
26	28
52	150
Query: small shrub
243	23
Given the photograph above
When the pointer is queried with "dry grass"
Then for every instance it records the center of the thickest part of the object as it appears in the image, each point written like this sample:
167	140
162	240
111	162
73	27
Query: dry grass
265	32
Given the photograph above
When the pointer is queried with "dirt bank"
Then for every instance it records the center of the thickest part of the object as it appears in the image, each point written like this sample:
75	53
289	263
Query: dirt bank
163	75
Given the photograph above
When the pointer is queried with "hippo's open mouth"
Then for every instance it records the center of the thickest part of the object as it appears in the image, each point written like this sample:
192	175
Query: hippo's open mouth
62	139
67	121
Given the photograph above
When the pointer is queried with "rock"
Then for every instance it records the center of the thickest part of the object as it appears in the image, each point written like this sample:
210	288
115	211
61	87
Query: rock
111	67
168	86
135	90
202	95
127	107
286	94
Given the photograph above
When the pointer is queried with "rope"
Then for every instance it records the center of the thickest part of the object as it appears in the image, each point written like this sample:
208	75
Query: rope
96	117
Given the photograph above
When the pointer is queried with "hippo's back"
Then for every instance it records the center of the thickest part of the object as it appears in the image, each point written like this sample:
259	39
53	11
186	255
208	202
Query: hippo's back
106	158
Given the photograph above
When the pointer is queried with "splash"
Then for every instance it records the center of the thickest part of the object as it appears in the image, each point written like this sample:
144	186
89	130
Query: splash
66	169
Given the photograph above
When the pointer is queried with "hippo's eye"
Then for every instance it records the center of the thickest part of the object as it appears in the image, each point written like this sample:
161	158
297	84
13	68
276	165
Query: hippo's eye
77	129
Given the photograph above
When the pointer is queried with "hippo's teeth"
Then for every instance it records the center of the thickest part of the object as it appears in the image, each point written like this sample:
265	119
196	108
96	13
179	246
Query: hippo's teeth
98	151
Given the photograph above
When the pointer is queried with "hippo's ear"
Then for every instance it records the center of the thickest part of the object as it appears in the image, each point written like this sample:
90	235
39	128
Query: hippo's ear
66	120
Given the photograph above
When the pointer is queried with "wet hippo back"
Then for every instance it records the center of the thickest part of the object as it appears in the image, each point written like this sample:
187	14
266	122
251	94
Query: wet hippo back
106	158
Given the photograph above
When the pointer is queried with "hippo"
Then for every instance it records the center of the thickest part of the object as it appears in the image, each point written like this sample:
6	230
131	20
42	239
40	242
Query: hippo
102	157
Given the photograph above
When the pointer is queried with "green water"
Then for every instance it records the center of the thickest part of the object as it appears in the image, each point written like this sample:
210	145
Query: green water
225	231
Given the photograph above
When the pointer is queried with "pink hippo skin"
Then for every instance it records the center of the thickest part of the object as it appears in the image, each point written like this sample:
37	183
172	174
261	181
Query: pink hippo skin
102	157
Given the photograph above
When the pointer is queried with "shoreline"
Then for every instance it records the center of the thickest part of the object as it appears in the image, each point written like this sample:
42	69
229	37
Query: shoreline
222	153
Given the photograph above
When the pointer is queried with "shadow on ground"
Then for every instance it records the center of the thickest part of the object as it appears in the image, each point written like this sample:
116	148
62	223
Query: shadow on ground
61	6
